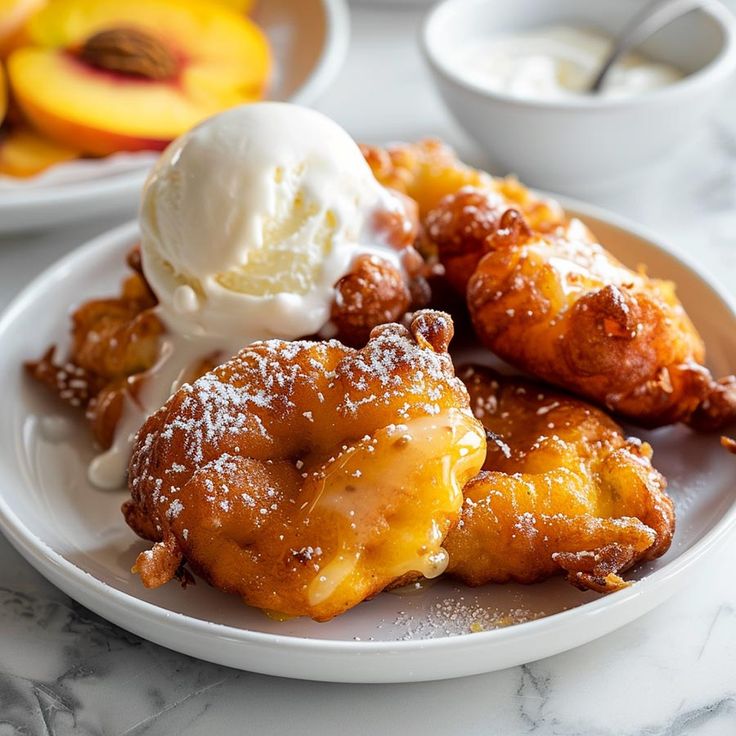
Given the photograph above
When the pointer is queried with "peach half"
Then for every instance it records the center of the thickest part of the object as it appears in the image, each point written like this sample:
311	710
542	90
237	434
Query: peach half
105	76
242	6
13	16
23	152
3	95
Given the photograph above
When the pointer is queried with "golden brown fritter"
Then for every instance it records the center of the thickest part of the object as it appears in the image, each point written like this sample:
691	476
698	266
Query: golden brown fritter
429	170
562	308
372	290
115	341
562	489
308	476
729	443
465	227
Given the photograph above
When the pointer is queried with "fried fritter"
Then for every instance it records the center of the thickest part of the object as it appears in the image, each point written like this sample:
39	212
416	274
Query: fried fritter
562	489
308	476
429	170
115	341
372	292
562	308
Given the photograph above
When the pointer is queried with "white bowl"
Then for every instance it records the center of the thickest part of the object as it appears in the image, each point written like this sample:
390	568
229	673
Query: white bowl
575	144
309	40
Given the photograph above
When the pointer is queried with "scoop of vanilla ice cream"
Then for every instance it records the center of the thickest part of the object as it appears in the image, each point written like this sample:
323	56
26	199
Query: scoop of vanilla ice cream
249	219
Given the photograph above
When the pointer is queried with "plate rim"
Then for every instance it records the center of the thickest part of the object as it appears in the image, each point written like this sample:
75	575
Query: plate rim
47	561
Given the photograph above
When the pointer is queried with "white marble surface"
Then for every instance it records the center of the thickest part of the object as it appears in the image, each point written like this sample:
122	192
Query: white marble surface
63	670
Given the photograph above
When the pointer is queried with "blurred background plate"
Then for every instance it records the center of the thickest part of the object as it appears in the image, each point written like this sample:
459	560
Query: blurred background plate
309	40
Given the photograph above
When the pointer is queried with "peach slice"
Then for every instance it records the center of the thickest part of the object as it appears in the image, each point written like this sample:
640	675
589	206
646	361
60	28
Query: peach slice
242	6
3	95
13	16
23	152
105	76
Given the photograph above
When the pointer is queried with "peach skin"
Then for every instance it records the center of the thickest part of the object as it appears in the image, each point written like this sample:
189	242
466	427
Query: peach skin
106	76
24	153
3	95
14	14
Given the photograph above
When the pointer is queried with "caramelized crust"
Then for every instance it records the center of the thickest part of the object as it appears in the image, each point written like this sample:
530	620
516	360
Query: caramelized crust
70	382
425	171
729	444
115	341
372	293
375	292
306	477
114	338
468	225
429	170
560	307
562	489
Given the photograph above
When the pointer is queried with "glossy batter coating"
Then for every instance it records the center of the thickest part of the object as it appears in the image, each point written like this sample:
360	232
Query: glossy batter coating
308	476
562	308
562	490
113	342
429	170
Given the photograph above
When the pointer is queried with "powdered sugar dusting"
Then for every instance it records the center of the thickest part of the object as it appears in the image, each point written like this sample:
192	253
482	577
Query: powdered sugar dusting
269	403
277	381
458	615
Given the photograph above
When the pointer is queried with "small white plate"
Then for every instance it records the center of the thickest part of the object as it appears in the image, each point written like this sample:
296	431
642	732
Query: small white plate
76	537
309	40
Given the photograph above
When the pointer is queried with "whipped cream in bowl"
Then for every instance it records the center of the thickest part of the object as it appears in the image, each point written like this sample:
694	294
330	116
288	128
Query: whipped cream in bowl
556	62
247	223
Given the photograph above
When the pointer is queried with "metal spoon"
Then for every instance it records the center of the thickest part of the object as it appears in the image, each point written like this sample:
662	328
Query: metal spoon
647	21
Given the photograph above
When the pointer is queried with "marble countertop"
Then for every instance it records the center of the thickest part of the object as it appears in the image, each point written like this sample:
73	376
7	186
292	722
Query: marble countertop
64	670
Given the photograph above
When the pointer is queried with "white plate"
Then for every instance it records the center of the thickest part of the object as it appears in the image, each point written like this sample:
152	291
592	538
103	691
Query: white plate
76	537
309	40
